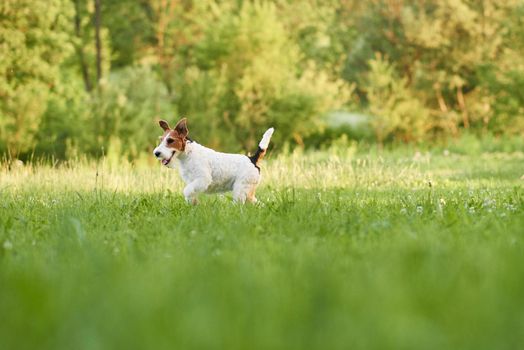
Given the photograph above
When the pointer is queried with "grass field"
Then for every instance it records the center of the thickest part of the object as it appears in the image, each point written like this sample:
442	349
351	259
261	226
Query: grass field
401	250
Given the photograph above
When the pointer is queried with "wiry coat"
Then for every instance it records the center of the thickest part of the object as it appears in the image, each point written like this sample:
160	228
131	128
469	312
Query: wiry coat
207	171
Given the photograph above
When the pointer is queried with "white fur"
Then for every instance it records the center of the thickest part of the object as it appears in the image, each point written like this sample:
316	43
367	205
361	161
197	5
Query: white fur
207	171
165	152
264	143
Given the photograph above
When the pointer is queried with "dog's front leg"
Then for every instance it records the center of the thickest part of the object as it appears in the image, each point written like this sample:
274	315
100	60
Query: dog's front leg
194	188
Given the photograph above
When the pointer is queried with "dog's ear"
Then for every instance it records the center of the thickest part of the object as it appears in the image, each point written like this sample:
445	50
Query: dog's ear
164	125
181	127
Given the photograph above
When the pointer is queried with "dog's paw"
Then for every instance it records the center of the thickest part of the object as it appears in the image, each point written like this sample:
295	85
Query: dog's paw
192	200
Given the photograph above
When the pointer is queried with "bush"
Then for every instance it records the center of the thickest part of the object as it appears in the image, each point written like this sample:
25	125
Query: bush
125	109
395	110
247	78
34	41
66	127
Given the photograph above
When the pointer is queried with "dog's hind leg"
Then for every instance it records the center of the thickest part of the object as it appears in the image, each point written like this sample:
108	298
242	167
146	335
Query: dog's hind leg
243	192
251	195
240	192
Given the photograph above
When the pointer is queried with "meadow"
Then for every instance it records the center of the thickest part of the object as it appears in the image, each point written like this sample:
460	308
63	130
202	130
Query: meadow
347	250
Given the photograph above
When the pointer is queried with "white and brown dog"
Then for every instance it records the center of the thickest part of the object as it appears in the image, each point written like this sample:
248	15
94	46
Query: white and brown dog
207	171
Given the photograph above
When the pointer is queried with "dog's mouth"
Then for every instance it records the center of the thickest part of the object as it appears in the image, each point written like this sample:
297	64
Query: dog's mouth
166	161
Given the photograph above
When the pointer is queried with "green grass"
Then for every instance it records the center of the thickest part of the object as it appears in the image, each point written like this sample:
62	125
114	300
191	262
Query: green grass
396	250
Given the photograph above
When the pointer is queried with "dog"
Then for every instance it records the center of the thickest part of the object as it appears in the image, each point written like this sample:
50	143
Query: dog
207	171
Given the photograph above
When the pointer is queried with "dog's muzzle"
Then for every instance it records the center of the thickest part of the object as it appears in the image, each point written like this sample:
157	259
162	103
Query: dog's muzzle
167	160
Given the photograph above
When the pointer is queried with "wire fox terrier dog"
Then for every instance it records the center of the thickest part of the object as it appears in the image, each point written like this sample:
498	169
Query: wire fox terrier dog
207	171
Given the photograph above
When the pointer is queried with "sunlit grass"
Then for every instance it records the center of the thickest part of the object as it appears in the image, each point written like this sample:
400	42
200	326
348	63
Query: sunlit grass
347	250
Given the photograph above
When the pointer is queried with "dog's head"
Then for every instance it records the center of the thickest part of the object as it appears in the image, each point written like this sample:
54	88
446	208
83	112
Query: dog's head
172	142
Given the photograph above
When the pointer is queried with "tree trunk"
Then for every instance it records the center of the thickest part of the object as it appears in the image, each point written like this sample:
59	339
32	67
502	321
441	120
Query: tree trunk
98	41
165	15
462	104
80	48
444	110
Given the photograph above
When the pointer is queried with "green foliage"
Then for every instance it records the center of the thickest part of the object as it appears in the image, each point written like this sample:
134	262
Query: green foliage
509	103
441	51
124	111
394	108
34	41
422	71
130	30
117	119
247	67
85	58
65	129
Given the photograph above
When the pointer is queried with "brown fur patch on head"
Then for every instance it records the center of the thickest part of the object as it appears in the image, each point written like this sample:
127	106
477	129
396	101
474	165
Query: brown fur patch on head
164	125
181	127
174	140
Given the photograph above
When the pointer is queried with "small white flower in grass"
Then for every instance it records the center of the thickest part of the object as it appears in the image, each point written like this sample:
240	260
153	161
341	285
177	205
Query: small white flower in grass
488	203
8	245
420	209
403	211
442	201
471	210
510	207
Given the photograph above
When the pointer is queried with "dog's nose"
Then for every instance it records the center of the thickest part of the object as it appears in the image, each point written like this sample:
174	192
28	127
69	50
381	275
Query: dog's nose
157	154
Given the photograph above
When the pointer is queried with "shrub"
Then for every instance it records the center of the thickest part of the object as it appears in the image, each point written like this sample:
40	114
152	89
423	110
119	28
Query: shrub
247	77
125	109
395	110
66	127
34	41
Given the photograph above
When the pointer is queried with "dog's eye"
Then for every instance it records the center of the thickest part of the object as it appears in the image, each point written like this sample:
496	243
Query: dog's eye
170	140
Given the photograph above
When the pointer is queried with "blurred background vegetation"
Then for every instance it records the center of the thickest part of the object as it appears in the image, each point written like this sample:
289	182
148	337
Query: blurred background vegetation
92	76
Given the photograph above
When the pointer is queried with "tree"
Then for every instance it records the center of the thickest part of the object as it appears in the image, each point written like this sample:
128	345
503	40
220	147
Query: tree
442	49
249	74
35	37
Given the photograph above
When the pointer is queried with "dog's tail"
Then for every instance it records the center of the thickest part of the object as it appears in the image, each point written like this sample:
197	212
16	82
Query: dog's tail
262	147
